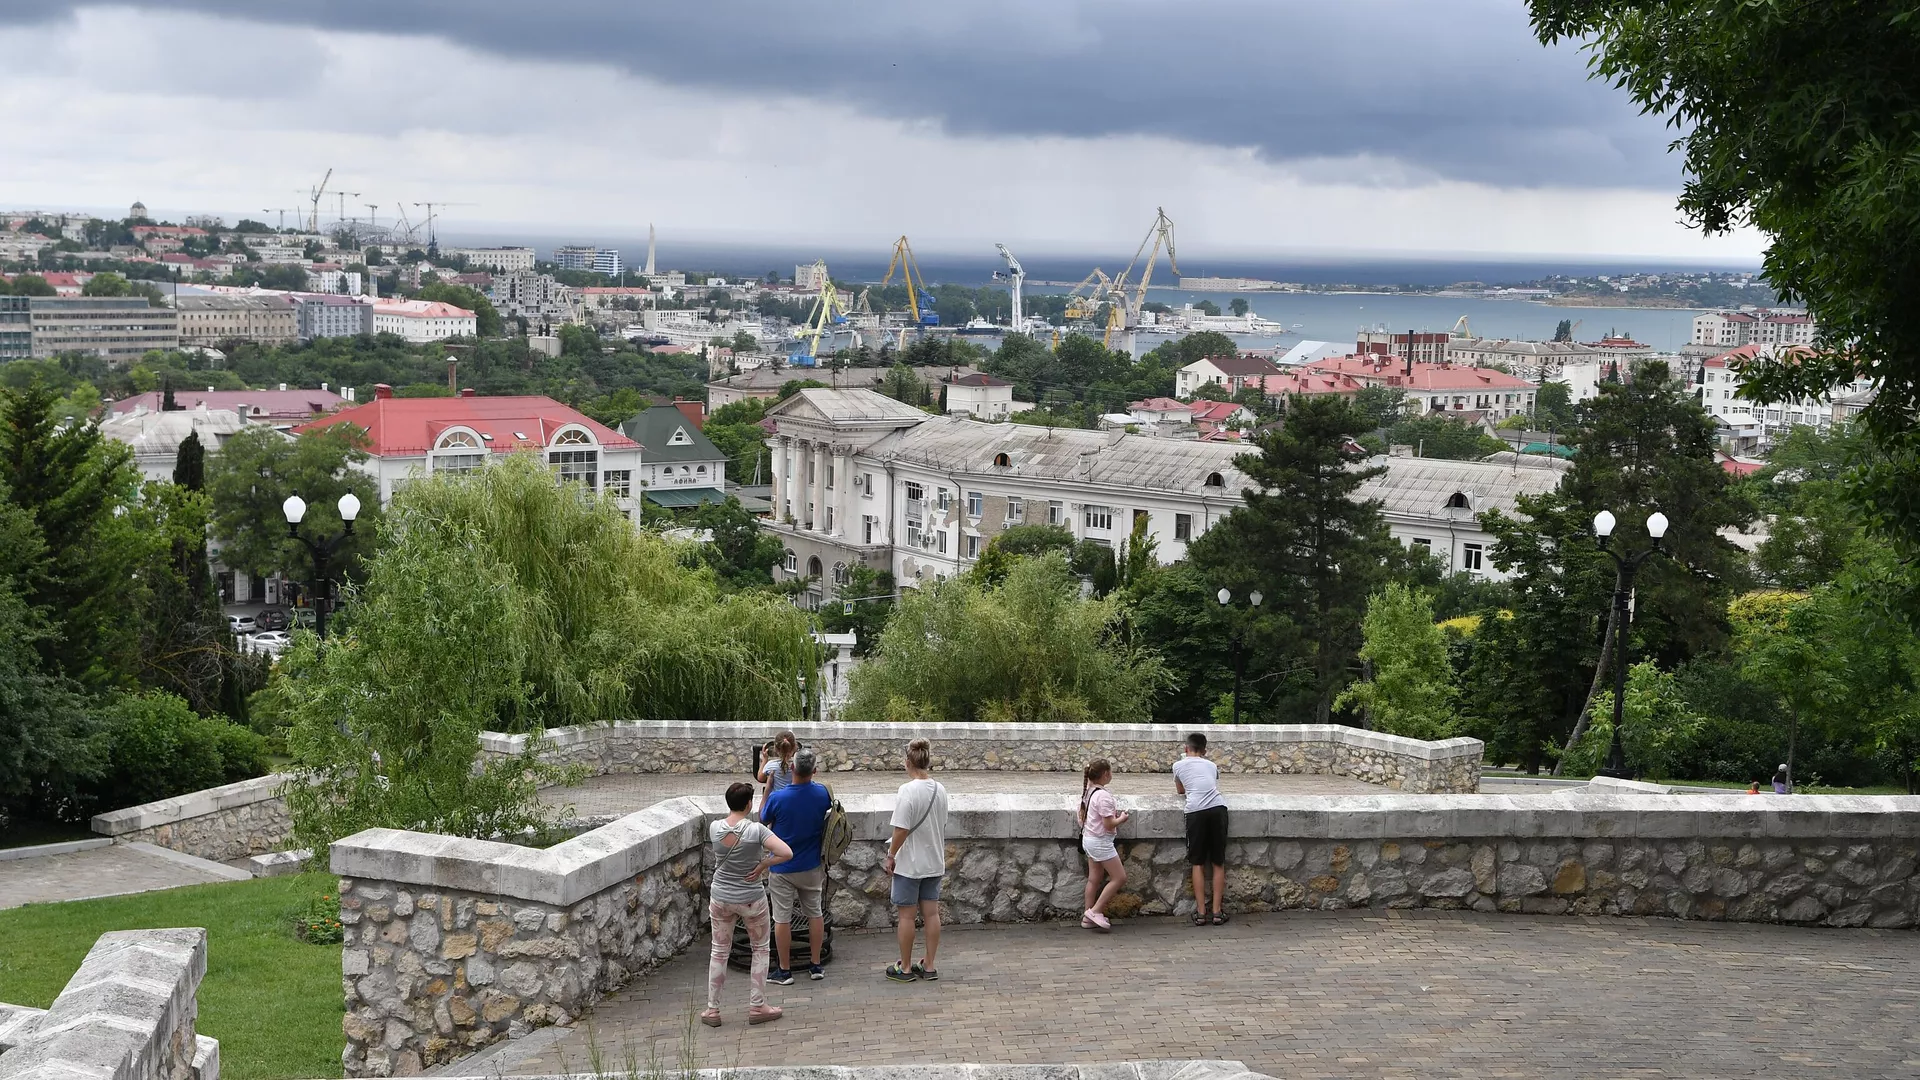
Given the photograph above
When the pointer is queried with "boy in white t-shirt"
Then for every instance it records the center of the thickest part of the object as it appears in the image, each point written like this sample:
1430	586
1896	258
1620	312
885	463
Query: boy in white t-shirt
1199	780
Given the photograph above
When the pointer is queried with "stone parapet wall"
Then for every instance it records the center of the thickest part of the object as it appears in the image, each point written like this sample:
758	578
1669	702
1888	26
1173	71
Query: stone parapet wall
127	1014
228	822
573	921
1413	765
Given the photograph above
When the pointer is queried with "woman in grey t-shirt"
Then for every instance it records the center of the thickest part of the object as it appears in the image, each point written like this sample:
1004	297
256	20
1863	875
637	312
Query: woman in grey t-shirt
742	850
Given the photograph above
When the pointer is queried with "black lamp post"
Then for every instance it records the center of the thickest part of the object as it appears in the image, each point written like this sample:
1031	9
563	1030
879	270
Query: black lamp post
1239	641
321	588
1625	566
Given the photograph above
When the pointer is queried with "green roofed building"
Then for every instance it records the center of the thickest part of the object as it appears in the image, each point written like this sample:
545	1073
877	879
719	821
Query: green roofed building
679	465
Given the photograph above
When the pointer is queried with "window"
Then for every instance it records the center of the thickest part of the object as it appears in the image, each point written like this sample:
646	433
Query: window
829	517
703	468
866	529
973	547
913	532
1214	479
1183	526
1056	513
1423	542
1470	558
976	504
793	562
1099	517
1002	460
915	492
618	482
867	487
943	499
940	541
839	573
1016	511
1459	501
459	454
582	466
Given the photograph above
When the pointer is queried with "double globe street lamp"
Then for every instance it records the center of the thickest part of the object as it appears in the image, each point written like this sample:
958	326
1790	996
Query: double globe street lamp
321	587
1239	641
1625	566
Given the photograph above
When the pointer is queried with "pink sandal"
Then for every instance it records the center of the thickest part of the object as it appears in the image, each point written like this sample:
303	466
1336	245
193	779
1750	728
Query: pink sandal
710	1017
763	1014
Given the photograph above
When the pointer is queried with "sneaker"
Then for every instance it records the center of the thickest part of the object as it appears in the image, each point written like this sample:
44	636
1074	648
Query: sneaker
1100	922
780	977
894	974
764	1014
816	973
923	971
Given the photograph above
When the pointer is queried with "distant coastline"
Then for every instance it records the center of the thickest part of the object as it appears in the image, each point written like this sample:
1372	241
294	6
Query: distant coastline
1621	302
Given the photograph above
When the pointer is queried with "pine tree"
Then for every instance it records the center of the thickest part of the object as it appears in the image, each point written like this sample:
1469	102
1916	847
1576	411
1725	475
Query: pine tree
190	463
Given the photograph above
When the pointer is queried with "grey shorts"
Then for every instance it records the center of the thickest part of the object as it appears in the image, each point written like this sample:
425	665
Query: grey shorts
909	891
803	889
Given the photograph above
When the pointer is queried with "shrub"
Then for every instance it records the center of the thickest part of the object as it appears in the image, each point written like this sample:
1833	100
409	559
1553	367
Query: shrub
157	747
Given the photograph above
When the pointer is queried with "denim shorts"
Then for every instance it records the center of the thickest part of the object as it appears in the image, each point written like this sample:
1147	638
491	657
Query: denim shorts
908	891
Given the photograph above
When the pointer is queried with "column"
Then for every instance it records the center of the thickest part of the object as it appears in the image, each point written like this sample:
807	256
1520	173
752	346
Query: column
843	523
778	452
819	488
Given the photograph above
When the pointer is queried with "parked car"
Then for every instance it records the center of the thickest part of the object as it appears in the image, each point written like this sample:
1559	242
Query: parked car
273	619
271	642
303	617
241	624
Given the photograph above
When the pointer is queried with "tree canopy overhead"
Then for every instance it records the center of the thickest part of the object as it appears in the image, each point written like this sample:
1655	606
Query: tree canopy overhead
1803	120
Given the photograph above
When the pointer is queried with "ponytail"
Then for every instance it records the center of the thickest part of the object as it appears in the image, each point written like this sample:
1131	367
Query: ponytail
1095	769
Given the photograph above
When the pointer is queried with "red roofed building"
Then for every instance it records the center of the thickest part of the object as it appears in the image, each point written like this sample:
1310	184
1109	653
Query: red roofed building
1430	388
410	437
1232	372
259	406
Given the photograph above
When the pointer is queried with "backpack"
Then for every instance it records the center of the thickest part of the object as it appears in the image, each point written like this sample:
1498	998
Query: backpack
838	832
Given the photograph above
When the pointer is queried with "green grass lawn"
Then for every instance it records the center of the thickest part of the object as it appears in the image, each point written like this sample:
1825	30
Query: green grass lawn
272	1000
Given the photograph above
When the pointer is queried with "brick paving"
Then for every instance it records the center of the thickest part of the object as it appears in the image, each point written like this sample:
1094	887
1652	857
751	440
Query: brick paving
81	875
625	793
1301	995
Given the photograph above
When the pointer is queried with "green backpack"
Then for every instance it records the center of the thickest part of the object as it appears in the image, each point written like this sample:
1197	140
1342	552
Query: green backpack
838	832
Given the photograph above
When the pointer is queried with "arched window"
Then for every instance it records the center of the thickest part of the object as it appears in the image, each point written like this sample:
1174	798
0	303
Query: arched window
1459	500
458	452
813	567
1002	460
839	573
1214	479
579	465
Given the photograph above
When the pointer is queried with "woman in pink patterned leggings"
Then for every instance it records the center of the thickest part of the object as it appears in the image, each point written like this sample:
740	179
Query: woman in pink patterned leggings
742	851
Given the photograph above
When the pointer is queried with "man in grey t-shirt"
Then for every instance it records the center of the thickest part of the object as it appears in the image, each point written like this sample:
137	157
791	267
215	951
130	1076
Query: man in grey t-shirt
917	859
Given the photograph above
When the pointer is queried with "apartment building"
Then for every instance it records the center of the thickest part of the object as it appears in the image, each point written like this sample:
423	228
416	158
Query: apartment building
119	328
1461	390
322	316
597	259
1422	347
1728	330
860	479
538	298
209	320
16	327
506	260
1750	426
1539	361
1232	373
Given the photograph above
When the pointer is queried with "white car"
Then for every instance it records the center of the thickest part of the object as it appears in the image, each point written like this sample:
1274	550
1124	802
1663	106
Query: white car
240	624
271	641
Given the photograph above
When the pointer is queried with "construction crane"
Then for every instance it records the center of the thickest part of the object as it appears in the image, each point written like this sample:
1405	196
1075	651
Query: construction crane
431	238
1015	275
373	215
919	301
340	215
827	314
1095	292
1159	234
1460	330
282	211
319	191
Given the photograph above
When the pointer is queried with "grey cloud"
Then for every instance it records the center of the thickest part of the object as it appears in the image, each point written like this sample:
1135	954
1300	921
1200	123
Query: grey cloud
1455	89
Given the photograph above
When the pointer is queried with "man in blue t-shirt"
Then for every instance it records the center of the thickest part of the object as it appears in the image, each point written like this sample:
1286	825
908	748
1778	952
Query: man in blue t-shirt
797	814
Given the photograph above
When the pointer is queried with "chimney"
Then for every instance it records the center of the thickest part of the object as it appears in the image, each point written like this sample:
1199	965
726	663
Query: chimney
453	378
381	391
283	388
466	391
323	388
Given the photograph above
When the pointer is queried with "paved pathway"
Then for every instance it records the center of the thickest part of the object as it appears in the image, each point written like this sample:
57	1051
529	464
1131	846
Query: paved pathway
625	793
82	875
1299	995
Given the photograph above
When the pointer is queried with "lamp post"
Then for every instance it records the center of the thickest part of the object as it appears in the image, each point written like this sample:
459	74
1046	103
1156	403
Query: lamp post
1239	641
322	551
1625	566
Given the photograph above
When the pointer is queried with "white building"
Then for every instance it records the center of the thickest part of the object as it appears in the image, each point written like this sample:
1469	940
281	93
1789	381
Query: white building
423	320
809	277
980	396
1435	505
1728	330
155	437
1306	352
506	260
538	298
335	280
1536	360
323	316
1231	372
862	479
1754	426
597	259
410	437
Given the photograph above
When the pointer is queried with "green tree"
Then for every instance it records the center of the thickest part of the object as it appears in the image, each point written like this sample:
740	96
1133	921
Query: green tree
1441	436
1409	689
1238	306
1206	307
255	473
49	748
870	593
1564	331
1383	406
1819	157
486	317
190	463
1660	729
740	554
32	285
1307	543
735	430
1553	407
1029	650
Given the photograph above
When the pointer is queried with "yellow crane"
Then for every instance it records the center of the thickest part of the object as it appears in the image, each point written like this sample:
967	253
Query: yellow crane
919	301
827	314
1097	291
1159	235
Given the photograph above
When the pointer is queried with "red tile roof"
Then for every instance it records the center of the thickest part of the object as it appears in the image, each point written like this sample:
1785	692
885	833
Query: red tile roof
1361	371
1161	405
299	405
407	427
1742	468
1215	410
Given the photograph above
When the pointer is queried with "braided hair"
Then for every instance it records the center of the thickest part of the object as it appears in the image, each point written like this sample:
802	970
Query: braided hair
1096	770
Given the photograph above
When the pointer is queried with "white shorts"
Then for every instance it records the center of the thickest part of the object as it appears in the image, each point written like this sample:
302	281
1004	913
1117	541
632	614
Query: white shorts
1098	848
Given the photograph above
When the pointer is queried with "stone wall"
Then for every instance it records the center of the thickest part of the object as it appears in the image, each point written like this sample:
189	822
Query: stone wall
491	940
127	1014
229	822
1413	765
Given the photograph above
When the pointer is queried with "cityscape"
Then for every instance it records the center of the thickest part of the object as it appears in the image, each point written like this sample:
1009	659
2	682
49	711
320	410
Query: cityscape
1410	607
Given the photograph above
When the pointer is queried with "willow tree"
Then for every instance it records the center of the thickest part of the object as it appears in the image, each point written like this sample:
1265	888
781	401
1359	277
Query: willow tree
507	601
1029	649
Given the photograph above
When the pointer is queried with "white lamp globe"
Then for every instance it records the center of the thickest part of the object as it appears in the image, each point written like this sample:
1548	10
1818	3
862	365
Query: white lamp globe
1603	523
1657	525
1255	598
295	508
1223	596
349	506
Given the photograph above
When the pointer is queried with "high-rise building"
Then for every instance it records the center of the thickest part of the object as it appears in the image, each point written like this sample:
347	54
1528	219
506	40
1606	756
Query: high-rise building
597	259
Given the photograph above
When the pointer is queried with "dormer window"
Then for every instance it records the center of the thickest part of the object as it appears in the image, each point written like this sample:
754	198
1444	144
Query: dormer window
1214	479
1002	460
458	453
680	438
1460	500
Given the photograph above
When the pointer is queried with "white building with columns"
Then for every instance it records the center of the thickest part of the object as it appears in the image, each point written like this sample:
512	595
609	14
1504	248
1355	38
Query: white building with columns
860	479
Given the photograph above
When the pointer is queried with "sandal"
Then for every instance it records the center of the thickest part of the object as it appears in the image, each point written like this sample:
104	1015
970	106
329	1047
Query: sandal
1219	918
1199	918
710	1017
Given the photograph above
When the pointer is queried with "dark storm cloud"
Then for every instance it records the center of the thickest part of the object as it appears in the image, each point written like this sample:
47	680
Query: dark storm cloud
1457	89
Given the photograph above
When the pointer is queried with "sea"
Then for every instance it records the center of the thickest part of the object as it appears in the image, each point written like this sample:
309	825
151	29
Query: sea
1309	316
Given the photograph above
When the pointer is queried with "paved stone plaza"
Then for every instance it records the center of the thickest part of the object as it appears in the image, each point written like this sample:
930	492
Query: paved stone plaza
106	871
1312	994
623	793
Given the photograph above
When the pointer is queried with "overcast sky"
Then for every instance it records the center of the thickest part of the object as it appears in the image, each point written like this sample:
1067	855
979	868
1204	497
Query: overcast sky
1263	126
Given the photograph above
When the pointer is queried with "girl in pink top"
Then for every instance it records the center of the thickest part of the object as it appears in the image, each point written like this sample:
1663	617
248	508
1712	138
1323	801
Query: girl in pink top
1100	816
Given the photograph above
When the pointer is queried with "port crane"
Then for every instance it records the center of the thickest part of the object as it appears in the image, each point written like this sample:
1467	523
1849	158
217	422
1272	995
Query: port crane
919	301
1094	292
1159	235
314	196
282	211
1016	276
431	238
827	314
